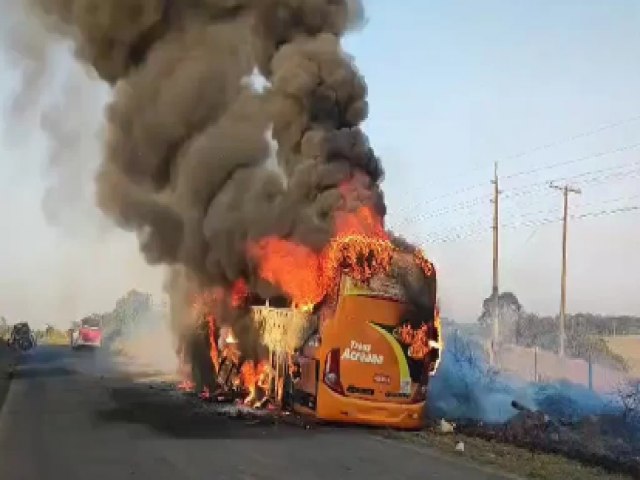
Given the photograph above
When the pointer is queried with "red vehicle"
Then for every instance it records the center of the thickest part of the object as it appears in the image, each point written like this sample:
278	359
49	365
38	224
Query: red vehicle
87	334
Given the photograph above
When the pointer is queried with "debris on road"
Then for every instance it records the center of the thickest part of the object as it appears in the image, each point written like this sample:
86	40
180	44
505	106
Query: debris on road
460	447
446	427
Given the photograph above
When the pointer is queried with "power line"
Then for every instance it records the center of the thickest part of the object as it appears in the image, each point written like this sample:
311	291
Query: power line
595	179
612	174
537	185
573	161
580	205
484	229
589	178
577	136
598	213
601	213
539	148
463	231
452	208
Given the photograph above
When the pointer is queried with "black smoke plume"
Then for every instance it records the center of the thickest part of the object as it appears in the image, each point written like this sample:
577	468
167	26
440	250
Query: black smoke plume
201	159
188	163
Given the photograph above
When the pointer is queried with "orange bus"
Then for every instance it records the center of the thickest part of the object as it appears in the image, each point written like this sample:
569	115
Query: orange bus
369	355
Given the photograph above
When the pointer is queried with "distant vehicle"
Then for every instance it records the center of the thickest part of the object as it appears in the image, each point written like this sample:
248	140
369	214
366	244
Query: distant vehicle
88	333
22	337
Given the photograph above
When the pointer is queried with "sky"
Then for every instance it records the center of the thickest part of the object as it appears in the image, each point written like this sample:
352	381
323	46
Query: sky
455	86
547	88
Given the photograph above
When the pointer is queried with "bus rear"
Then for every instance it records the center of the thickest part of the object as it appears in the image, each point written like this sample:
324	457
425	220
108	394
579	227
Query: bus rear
378	351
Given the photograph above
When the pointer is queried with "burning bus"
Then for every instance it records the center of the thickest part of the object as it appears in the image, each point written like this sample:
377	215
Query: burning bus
360	349
234	150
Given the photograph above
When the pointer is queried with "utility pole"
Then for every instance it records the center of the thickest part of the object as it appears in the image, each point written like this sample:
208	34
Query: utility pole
495	285
566	190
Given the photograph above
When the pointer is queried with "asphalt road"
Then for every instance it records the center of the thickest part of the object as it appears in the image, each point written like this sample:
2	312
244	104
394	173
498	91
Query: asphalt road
5	366
67	416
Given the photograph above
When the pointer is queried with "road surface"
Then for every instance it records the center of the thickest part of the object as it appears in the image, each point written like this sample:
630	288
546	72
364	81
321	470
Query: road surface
5	367
68	417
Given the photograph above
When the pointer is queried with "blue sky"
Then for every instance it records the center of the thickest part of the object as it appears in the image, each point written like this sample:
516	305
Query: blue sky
457	85
453	87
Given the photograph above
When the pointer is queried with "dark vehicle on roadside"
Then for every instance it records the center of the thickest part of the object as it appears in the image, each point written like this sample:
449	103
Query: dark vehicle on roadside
22	337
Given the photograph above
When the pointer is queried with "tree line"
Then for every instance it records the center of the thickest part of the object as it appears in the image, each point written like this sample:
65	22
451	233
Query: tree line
585	332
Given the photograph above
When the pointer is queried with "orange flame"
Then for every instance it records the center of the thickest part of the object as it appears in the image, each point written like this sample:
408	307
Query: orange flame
230	339
186	386
405	334
293	267
239	292
360	246
213	352
363	221
230	346
439	344
423	340
248	373
203	307
252	377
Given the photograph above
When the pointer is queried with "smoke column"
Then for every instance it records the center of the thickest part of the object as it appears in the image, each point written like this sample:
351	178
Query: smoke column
231	120
51	122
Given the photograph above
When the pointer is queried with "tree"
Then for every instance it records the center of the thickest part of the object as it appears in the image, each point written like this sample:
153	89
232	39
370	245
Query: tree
4	327
509	313
584	331
130	309
132	306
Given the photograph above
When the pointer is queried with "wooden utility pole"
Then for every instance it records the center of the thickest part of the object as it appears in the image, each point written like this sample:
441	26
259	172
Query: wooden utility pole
495	290
566	190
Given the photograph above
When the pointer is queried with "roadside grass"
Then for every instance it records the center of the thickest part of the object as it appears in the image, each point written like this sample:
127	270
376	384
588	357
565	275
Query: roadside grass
628	347
505	457
55	338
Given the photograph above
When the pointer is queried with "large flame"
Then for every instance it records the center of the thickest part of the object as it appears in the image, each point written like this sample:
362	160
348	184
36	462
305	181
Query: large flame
295	268
360	246
253	377
203	308
213	352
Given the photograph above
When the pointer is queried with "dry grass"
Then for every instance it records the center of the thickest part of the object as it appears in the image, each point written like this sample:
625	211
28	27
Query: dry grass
507	458
628	347
55	338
